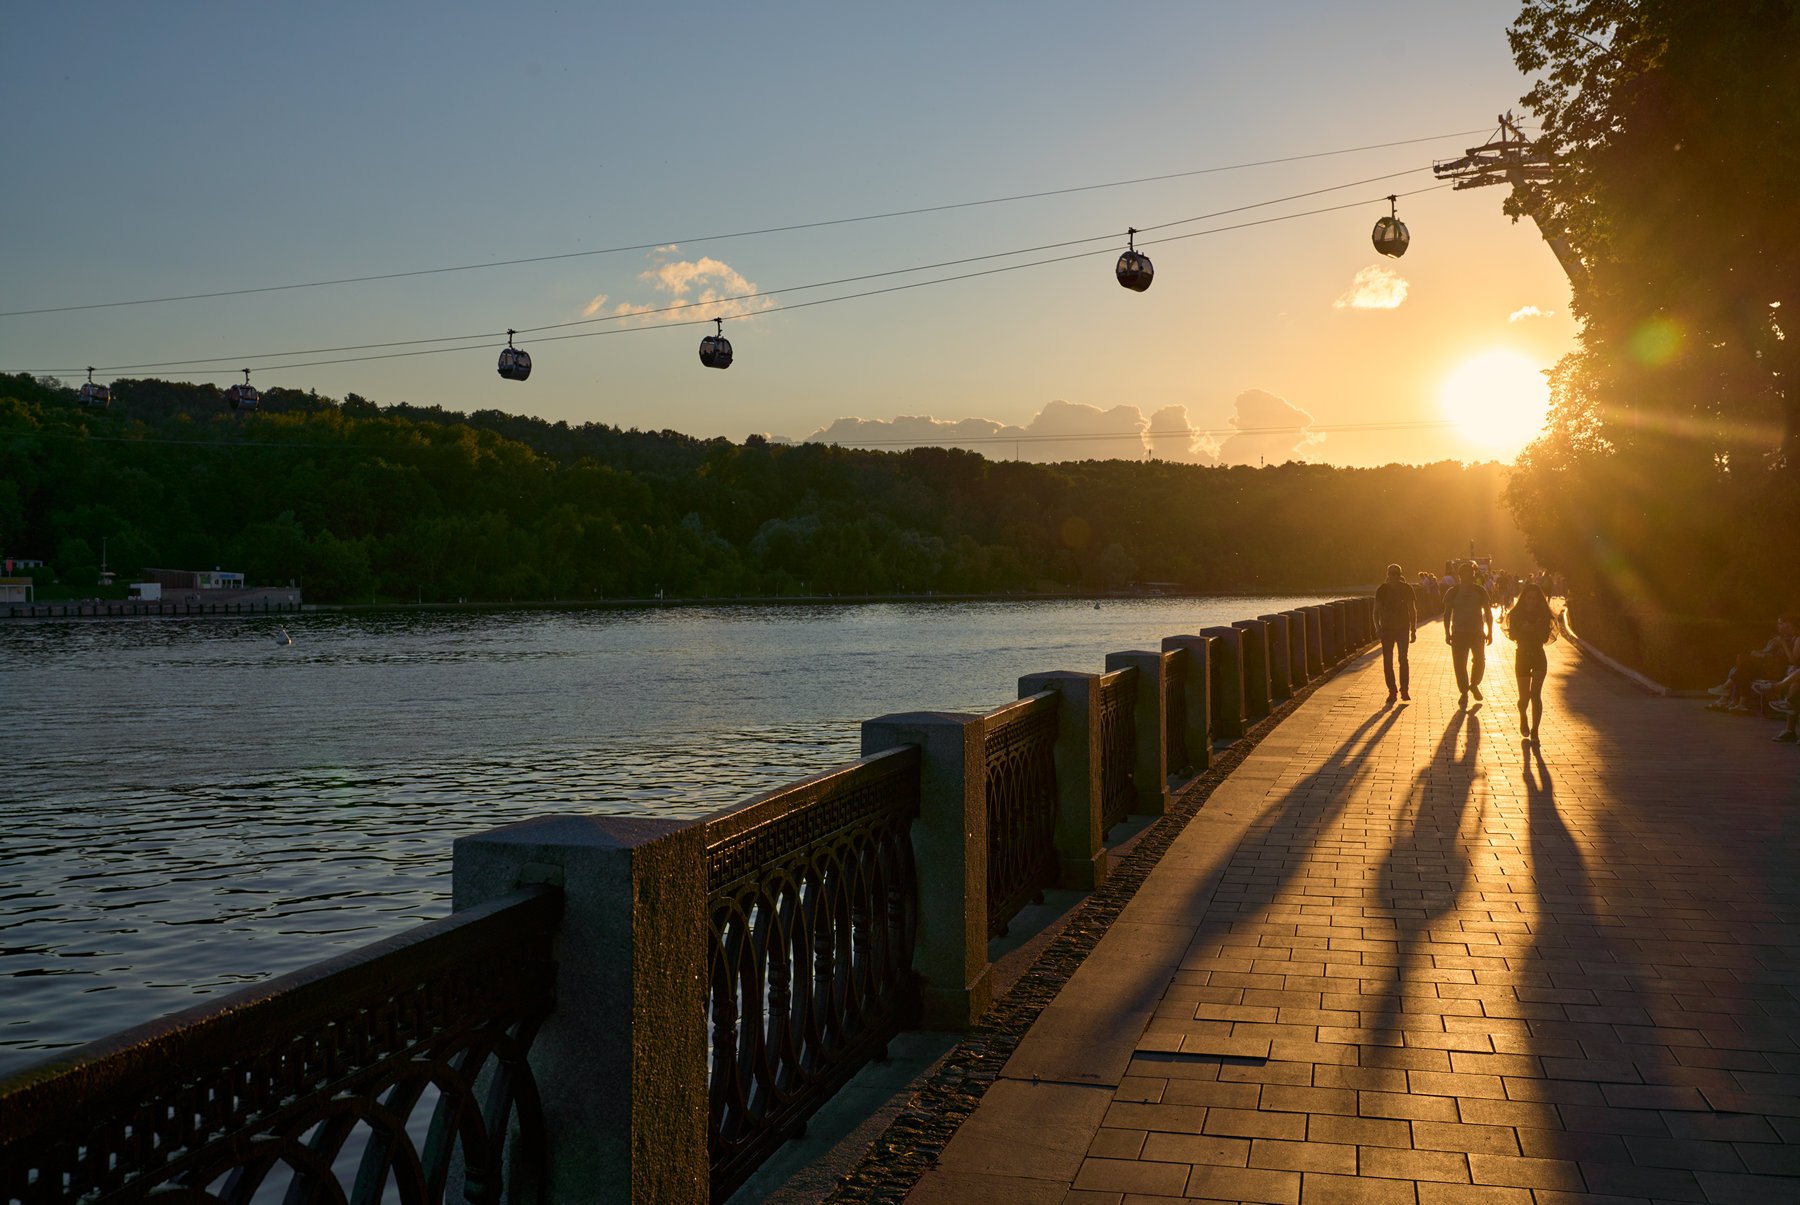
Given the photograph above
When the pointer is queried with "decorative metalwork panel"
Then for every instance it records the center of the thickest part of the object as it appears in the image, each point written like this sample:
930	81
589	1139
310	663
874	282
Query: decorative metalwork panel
1020	754
1174	711
1117	700
364	1078
814	901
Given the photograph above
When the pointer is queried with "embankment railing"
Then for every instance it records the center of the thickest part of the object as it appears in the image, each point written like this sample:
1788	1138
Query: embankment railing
812	899
391	1069
627	1008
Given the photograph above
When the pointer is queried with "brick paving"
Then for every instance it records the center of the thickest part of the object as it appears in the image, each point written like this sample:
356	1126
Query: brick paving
1401	956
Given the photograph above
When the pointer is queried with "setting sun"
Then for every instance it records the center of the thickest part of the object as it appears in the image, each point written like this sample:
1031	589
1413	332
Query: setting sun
1497	400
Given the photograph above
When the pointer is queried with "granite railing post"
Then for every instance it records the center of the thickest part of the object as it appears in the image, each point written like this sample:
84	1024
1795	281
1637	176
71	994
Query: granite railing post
1151	775
950	849
620	1063
1080	839
1331	625
1281	685
1315	641
1298	652
1196	694
1256	668
1227	682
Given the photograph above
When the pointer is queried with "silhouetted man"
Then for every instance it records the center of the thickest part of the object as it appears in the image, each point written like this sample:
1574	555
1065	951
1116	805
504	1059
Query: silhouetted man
1468	630
1397	621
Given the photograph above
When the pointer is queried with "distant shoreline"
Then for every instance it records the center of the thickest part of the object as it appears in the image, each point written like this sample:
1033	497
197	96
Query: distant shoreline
98	608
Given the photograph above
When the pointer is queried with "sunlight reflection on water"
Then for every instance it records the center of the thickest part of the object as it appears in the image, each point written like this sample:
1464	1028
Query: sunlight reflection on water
189	806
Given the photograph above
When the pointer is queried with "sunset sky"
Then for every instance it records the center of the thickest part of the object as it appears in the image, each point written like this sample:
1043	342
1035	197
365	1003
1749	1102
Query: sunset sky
164	150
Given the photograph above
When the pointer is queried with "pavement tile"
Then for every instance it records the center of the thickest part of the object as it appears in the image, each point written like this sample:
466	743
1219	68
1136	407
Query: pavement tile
1248	1184
1408	1106
1457	1136
1195	1148
1250	1123
1132	1175
1521	1172
1303	1156
1320	1188
1460	968
1450	1167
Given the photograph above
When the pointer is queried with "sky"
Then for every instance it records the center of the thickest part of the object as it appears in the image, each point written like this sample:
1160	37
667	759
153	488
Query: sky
160	151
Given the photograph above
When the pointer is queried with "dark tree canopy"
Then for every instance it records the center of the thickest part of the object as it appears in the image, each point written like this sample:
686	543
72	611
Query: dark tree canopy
1666	481
405	502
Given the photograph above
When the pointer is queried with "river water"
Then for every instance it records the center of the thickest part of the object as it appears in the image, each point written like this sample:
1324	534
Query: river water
188	806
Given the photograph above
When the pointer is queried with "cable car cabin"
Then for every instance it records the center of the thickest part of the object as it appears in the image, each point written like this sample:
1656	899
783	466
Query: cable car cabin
243	397
1390	237
92	394
515	363
715	351
1134	271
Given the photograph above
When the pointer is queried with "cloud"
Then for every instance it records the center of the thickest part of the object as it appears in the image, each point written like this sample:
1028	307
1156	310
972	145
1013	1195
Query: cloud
1528	311
1374	288
1170	436
1263	428
683	285
1060	431
1269	430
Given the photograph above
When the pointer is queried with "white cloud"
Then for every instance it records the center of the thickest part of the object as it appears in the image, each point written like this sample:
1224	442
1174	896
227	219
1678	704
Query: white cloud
683	285
1171	436
1263	428
1269	430
1374	288
1060	431
1528	311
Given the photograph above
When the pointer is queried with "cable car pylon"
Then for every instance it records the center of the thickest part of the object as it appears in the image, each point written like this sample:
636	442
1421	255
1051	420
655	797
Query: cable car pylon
1508	157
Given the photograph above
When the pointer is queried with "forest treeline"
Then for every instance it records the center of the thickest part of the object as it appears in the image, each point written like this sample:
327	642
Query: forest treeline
355	501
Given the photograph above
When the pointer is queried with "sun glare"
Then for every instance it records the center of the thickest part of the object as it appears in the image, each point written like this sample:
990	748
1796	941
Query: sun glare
1497	400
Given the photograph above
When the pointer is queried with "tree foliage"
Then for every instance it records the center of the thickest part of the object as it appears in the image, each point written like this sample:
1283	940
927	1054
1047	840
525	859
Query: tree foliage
1667	478
358	501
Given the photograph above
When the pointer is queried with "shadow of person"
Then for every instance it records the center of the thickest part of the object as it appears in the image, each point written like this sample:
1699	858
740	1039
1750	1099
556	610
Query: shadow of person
1427	869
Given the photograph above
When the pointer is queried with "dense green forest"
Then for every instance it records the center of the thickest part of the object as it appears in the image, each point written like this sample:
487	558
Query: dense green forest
355	501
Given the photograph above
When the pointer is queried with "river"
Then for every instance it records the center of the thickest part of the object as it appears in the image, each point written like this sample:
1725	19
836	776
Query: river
189	806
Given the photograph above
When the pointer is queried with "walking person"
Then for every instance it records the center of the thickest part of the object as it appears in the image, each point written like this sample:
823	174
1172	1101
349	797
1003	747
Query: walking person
1531	626
1397	621
1468	630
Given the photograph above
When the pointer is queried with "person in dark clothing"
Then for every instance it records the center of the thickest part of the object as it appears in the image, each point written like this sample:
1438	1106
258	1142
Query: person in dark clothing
1468	630
1531	625
1397	620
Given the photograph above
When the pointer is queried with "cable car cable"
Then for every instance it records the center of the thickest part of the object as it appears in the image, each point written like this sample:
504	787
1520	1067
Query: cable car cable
472	341
713	238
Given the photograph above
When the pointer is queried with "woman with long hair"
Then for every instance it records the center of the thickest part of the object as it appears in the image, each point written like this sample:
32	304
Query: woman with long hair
1531	626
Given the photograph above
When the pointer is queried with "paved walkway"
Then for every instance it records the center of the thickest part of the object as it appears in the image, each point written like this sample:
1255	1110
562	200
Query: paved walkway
1402	957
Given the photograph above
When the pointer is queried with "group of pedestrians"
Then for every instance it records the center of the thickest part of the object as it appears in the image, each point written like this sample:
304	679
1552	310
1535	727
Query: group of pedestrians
1468	611
1767	680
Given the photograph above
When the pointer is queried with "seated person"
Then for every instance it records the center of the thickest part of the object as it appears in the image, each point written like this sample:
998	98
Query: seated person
1773	660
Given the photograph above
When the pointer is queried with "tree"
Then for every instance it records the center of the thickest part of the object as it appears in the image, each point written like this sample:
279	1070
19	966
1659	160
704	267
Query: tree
1674	440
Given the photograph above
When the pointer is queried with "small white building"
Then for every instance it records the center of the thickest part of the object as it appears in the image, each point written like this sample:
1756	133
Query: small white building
17	590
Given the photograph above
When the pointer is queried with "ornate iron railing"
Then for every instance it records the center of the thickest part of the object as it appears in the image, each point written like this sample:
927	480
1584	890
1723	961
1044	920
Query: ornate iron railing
1174	712
1116	696
814	904
374	1075
1019	742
